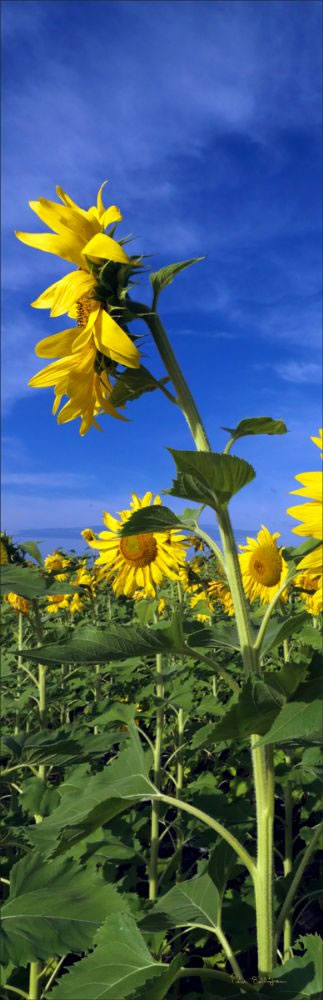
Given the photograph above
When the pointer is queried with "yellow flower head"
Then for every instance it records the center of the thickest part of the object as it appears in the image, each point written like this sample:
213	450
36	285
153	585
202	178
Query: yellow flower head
310	514
161	606
310	590
138	561
263	567
55	562
88	534
58	602
76	604
201	595
85	352
18	603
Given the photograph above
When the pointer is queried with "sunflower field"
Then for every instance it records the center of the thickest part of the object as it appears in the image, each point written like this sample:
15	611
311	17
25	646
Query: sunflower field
161	694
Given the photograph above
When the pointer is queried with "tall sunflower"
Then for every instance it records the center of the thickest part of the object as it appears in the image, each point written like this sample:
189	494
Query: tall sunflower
137	561
90	351
310	514
263	567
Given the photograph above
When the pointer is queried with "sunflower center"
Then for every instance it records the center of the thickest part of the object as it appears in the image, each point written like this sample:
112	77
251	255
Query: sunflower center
140	550
83	308
265	565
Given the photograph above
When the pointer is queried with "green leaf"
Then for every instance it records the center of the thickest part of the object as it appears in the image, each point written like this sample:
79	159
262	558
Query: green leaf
132	383
297	554
298	720
160	279
53	908
256	425
277	630
302	976
33	550
38	797
31	584
149	519
221	863
254	712
86	805
189	903
208	477
222	636
93	645
119	965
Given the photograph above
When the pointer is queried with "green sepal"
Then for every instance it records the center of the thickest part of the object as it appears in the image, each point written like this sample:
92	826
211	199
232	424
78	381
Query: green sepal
160	279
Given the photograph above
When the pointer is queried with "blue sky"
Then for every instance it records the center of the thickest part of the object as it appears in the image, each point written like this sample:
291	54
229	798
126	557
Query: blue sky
205	118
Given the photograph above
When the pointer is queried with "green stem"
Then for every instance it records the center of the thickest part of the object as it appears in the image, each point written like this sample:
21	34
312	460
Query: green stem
232	566
184	396
262	758
297	879
246	858
154	828
19	664
288	860
97	692
220	670
179	789
34	981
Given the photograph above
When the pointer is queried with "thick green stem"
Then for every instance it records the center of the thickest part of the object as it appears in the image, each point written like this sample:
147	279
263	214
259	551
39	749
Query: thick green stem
154	829
232	565
262	758
34	981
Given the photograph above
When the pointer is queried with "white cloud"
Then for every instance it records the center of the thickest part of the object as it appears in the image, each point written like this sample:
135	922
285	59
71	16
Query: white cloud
300	371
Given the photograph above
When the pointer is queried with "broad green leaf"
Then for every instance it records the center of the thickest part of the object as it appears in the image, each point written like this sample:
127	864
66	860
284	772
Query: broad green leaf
279	630
222	636
38	797
31	583
208	477
148	519
311	636
93	645
254	712
32	549
132	383
256	425
160	279
189	903
120	964
53	908
300	720
86	805
146	611
286	680
302	976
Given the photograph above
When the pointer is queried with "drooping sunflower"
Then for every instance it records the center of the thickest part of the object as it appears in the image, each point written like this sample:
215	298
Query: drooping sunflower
263	567
219	591
88	352
18	603
138	561
205	614
311	515
56	562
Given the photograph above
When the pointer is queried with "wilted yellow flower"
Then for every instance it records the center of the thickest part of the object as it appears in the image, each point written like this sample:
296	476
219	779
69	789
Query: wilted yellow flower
310	514
218	590
18	603
201	595
86	351
3	554
138	561
55	562
263	567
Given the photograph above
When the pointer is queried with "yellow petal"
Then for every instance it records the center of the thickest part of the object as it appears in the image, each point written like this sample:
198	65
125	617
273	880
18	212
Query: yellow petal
69	248
49	375
113	341
57	345
103	246
312	485
111	214
63	218
99	201
71	289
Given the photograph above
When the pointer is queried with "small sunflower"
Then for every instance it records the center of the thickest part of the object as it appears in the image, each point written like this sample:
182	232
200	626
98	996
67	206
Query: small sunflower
58	602
138	561
263	567
310	591
201	595
310	514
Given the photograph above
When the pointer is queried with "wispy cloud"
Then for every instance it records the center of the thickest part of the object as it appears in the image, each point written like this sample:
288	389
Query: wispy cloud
300	371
